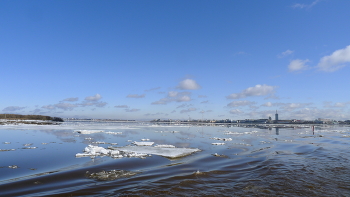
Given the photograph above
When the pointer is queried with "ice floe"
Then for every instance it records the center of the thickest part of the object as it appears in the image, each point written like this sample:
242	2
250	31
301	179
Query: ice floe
218	143
143	143
223	139
136	151
7	150
165	152
164	146
233	133
88	131
92	151
13	167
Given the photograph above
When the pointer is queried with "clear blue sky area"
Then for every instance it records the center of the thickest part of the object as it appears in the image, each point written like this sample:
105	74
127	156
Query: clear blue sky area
197	59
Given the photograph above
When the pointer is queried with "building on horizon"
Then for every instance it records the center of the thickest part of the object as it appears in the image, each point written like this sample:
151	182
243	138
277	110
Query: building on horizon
276	116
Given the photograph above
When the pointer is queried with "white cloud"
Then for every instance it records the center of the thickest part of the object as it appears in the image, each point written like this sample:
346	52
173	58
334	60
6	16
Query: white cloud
174	96
258	90
152	89
301	6
236	111
183	105
336	105
121	106
49	107
100	104
72	99
335	61
93	98
240	103
136	96
297	65
267	104
188	110
285	53
293	106
13	108
188	84
183	98
132	110
241	53
65	106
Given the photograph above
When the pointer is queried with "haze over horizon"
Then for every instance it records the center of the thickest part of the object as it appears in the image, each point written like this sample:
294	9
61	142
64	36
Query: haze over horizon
201	59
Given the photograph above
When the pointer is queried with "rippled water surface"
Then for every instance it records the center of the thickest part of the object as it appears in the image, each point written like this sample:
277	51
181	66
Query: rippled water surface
40	161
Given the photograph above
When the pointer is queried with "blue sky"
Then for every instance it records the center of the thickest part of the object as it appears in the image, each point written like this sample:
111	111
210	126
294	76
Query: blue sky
155	59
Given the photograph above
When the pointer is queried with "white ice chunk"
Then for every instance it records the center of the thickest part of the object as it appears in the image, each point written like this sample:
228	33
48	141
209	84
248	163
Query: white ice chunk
88	131
217	143
95	150
165	152
164	146
223	139
114	133
114	152
143	143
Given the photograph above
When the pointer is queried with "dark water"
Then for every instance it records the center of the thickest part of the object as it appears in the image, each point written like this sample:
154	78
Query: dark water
257	162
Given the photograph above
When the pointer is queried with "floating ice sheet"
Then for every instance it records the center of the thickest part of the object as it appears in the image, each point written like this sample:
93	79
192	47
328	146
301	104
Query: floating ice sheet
88	131
218	143
165	152
136	151
223	139
143	143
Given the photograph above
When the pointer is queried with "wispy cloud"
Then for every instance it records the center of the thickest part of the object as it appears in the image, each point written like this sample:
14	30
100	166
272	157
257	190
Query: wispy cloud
174	96
132	110
188	84
236	111
183	105
267	104
285	53
241	53
66	106
302	6
336	105
121	106
298	65
337	60
71	99
93	98
258	90
240	103
136	96
152	89
188	110
13	108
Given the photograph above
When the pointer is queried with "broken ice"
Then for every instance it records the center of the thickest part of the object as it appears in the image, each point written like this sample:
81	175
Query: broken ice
136	151
223	139
143	143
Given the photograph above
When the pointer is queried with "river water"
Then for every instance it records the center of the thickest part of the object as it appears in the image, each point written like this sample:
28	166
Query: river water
302	161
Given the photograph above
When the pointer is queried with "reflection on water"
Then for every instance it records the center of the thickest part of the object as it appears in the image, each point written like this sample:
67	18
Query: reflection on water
262	161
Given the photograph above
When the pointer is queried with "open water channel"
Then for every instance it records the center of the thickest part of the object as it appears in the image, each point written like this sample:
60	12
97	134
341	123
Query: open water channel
41	161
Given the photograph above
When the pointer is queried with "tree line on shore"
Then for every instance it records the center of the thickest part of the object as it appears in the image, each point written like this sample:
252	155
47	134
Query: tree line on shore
29	117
